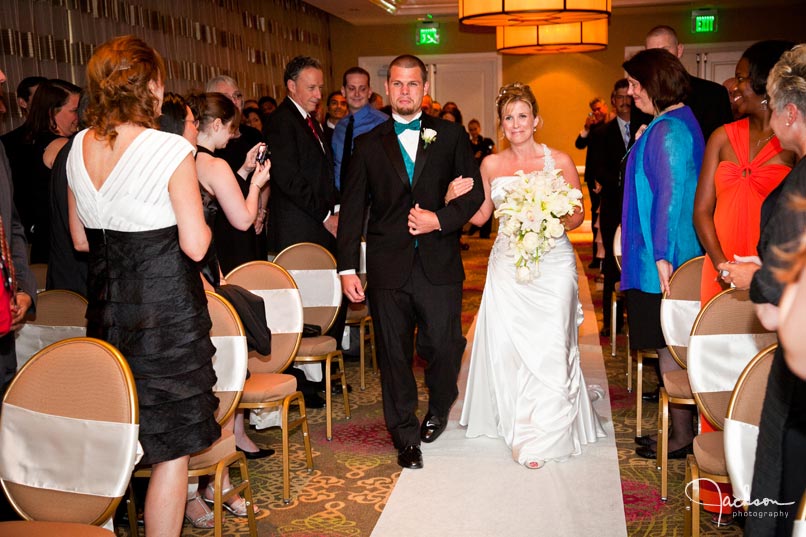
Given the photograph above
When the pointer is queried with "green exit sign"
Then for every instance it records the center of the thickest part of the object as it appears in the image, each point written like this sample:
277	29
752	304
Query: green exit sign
704	21
428	34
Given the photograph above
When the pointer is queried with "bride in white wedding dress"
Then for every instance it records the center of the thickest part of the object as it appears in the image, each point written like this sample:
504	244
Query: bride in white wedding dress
525	383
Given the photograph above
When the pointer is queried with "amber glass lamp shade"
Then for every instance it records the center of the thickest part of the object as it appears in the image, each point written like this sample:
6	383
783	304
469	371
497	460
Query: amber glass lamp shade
588	36
531	12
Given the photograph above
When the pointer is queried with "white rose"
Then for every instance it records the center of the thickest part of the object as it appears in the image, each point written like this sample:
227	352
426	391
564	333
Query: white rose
523	274
555	228
530	241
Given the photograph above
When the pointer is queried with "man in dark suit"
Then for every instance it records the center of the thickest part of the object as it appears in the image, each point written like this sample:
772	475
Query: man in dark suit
708	100
596	119
302	205
613	139
414	266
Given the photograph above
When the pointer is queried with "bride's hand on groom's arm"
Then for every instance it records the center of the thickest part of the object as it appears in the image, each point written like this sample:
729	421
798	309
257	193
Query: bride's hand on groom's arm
352	287
422	221
458	187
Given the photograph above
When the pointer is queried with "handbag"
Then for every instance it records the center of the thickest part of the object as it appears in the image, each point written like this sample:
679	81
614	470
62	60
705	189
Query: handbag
9	286
311	330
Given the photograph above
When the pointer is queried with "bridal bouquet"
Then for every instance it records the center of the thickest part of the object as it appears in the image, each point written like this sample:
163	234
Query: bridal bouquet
530	217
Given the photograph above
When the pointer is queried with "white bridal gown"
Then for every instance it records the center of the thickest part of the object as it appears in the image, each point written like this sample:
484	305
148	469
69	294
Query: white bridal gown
525	383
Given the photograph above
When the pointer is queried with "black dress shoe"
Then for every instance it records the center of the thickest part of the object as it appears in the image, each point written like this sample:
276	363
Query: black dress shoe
259	454
336	389
605	332
652	396
314	401
410	457
648	452
645	440
432	427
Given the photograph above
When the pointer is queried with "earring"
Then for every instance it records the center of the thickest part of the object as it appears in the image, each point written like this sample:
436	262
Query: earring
764	103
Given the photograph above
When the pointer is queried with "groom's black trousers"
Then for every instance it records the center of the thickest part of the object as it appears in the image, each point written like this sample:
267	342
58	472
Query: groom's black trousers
436	312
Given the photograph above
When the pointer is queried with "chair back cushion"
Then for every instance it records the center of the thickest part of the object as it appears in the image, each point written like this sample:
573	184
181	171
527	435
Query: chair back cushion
60	315
725	337
680	306
284	314
741	424
314	270
69	433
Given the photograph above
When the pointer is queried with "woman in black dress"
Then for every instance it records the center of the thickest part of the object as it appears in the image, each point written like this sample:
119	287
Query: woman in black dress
135	205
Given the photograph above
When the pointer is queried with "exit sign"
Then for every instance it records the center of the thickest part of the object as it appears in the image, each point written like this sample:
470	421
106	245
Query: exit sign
428	34
704	21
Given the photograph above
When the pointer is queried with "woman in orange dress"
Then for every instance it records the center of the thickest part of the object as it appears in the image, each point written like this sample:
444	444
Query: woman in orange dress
743	162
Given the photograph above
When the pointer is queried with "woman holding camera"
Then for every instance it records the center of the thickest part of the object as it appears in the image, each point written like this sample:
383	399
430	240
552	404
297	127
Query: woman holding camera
218	119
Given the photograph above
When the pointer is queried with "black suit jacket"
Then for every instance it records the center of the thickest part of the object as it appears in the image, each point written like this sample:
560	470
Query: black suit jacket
591	142
377	175
708	101
302	187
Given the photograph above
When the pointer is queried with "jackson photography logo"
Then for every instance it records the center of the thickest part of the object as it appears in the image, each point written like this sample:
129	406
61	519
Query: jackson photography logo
736	505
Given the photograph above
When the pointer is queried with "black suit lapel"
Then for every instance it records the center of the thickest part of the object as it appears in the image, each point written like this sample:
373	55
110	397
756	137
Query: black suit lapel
422	153
392	148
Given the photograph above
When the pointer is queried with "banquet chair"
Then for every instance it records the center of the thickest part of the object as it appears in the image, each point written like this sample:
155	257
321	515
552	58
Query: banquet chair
718	455
678	311
40	271
74	402
640	354
799	526
358	315
229	362
268	388
60	314
314	270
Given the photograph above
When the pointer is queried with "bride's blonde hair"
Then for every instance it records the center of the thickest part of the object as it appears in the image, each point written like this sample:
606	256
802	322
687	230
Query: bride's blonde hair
516	92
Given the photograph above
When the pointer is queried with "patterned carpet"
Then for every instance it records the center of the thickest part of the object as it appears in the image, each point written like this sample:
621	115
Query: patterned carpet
356	471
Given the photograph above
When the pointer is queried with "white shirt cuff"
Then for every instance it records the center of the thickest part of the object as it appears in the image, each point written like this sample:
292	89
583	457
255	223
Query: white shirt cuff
347	272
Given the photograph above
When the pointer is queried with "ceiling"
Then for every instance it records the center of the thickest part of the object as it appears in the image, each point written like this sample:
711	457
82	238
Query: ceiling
369	12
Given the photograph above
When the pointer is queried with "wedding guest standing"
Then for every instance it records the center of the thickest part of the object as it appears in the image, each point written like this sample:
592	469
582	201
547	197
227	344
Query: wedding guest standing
743	163
135	206
657	233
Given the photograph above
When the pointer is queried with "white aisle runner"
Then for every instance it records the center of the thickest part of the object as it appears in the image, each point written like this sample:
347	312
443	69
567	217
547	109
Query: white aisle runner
473	488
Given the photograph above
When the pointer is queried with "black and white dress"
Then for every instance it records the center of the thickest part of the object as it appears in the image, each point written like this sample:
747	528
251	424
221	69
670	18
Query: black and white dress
145	296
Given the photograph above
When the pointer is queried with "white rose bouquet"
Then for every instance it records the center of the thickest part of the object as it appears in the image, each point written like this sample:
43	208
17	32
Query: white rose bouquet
530	217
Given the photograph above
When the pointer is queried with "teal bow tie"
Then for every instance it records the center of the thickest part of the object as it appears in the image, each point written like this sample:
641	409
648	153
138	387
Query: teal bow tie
402	127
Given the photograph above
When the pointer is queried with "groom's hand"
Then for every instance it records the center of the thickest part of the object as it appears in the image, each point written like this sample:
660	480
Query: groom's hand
352	288
422	221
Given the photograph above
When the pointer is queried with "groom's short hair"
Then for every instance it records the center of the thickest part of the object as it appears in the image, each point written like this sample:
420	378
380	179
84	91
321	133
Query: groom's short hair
407	61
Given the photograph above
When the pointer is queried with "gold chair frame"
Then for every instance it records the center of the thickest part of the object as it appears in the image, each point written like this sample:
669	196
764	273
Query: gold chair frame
758	378
679	288
299	256
254	275
67	385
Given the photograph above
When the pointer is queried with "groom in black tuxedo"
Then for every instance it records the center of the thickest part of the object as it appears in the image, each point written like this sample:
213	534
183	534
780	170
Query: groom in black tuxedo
401	170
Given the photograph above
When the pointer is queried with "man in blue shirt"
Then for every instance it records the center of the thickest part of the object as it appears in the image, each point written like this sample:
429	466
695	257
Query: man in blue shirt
362	118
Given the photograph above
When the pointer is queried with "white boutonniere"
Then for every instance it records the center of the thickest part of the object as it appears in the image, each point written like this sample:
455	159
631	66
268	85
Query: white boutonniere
428	136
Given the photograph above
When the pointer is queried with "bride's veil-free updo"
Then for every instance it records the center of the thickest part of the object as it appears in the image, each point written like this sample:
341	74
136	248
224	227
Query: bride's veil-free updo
517	91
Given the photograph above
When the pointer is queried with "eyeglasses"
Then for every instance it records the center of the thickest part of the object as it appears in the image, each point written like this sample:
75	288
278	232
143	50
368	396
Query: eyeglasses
237	96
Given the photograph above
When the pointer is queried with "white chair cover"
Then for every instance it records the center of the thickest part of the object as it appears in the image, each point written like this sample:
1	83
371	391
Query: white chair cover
67	454
32	338
740	441
716	361
318	287
230	362
676	319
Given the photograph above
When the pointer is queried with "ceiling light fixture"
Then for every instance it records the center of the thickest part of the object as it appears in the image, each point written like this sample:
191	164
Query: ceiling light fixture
588	36
531	12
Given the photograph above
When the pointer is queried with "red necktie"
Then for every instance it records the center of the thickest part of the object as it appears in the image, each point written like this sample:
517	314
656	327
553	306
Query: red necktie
313	128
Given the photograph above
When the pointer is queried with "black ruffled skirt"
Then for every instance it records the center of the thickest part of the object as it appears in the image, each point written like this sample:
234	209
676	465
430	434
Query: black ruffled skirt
146	299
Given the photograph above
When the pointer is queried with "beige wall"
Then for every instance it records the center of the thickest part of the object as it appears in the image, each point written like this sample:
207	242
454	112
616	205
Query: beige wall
564	83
